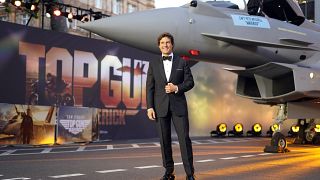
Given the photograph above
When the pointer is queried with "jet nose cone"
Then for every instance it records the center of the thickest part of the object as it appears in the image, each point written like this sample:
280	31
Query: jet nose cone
139	29
90	26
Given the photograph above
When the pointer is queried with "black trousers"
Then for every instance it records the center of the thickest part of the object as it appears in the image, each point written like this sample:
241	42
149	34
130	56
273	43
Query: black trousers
181	124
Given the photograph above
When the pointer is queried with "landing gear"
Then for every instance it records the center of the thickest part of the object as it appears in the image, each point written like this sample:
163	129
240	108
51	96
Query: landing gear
278	140
316	140
311	133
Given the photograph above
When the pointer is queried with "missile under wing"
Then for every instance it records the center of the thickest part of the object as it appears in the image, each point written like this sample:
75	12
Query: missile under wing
277	48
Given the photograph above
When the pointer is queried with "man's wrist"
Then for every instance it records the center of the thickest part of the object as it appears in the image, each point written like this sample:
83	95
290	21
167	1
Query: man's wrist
150	109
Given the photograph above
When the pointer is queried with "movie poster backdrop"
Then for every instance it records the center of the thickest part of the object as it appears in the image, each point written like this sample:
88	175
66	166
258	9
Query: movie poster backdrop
41	67
18	126
74	124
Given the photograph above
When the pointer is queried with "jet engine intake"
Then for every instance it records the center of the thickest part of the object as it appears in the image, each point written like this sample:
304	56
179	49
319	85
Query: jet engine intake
276	83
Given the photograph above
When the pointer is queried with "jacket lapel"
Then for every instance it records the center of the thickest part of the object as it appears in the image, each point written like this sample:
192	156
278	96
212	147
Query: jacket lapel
174	67
161	69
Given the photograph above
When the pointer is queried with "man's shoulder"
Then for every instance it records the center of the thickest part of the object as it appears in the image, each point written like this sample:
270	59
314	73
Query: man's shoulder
178	58
155	60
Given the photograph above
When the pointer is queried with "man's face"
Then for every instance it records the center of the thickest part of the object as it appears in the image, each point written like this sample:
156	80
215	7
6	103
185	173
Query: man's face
165	46
28	111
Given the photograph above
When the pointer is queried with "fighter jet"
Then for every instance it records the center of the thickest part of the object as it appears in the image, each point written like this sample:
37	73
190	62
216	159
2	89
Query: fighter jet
275	46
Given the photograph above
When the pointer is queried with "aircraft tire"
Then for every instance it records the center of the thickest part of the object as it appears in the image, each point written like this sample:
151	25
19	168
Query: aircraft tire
279	140
316	140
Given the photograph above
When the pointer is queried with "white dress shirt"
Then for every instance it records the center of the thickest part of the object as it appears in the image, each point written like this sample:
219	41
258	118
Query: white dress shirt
168	66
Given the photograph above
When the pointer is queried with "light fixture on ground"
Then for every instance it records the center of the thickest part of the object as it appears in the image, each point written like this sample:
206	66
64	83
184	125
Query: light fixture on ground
237	130
256	130
294	130
317	128
316	138
220	131
313	134
272	129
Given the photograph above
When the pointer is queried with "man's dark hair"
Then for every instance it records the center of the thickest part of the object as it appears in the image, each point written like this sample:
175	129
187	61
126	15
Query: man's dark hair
166	34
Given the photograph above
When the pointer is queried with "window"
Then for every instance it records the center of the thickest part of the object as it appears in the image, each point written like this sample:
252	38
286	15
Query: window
3	18
72	24
99	4
24	19
116	6
131	8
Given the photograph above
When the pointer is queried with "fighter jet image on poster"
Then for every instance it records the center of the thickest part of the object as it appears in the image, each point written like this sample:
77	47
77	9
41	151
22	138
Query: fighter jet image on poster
274	46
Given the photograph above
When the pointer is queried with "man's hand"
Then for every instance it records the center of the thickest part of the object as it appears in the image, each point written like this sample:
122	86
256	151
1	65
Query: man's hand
170	88
151	114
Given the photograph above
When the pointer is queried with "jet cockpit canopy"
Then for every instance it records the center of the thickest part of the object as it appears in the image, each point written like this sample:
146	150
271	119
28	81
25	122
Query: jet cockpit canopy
283	10
224	4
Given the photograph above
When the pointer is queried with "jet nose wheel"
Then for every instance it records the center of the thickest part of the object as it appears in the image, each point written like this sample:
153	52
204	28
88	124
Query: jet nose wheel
279	140
278	144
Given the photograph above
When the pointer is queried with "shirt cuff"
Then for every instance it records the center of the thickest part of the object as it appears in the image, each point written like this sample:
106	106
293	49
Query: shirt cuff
177	90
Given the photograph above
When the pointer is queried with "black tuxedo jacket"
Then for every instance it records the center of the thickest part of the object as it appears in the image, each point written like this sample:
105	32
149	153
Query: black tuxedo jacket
157	98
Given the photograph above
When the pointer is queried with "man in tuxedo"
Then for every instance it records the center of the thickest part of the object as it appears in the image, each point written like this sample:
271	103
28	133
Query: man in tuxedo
168	78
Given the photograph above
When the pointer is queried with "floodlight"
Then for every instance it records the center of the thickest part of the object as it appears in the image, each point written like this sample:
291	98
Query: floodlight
256	130
237	130
57	12
317	128
275	127
221	130
48	11
294	130
17	3
272	129
48	15
33	7
70	15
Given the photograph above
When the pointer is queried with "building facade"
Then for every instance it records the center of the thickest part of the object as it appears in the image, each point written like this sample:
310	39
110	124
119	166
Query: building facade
308	8
106	7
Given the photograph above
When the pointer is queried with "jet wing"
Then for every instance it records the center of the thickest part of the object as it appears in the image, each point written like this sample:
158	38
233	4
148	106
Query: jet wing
250	42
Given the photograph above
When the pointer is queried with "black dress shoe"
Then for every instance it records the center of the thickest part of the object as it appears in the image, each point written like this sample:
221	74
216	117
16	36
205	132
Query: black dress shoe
192	177
168	176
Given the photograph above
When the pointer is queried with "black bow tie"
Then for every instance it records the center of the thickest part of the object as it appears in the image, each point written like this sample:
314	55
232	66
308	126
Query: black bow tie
167	58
